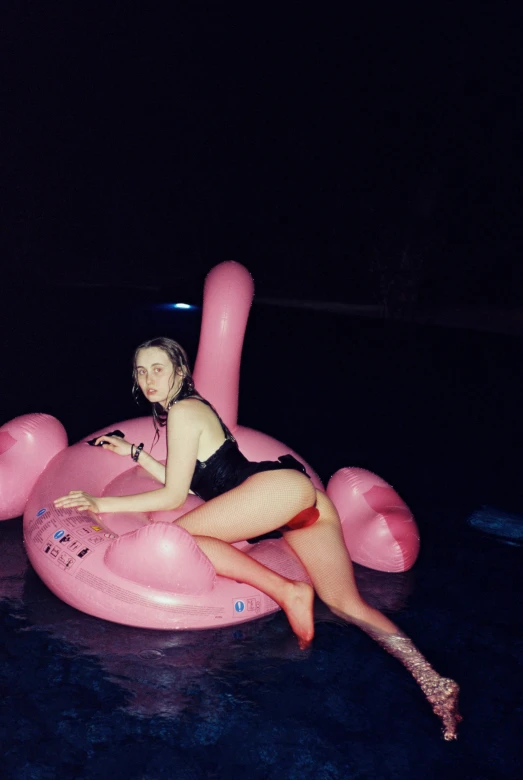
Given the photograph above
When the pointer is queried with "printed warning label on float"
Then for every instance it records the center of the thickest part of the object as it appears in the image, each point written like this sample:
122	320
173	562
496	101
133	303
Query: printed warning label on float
247	607
97	539
63	521
239	606
64	560
65	539
66	551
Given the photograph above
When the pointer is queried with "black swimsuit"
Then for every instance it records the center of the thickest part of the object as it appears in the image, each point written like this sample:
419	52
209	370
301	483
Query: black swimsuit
227	468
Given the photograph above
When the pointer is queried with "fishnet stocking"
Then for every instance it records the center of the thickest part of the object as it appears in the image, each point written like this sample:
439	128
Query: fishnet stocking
322	551
267	501
263	503
441	692
295	598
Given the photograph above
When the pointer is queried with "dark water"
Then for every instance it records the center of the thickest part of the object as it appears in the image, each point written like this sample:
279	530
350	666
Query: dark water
435	412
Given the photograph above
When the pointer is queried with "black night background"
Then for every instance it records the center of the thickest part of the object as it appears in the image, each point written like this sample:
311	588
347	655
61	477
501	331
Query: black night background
363	161
337	152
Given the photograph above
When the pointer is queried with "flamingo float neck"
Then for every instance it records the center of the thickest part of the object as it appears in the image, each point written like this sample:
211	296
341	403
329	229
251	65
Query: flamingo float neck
227	298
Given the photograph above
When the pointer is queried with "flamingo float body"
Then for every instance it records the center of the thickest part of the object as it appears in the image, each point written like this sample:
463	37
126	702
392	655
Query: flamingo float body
138	568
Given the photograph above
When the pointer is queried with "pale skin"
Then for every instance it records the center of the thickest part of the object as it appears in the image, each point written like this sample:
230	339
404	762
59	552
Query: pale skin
268	499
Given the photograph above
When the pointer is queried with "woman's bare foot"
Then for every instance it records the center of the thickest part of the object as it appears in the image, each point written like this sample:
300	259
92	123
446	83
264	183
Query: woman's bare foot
297	604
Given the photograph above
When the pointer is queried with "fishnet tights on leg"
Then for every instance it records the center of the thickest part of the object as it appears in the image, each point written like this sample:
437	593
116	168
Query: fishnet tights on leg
295	598
263	503
322	551
442	693
267	501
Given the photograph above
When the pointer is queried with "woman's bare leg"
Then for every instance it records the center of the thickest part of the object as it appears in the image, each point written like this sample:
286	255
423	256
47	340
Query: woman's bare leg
295	598
322	551
262	503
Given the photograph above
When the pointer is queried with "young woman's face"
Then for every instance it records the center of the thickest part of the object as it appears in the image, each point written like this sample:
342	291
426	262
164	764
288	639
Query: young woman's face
155	375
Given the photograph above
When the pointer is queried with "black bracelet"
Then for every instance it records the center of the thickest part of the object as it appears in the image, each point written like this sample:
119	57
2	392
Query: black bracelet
137	452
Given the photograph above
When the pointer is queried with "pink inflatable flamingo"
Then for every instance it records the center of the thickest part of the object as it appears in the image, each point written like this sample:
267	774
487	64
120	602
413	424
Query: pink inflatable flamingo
139	568
378	526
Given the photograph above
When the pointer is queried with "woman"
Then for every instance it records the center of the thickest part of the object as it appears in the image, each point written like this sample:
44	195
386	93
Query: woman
245	500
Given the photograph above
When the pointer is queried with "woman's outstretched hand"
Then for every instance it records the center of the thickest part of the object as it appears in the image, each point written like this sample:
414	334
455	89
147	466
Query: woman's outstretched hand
79	500
115	444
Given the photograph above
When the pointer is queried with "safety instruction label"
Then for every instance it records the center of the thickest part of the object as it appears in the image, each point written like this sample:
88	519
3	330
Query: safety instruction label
247	606
72	541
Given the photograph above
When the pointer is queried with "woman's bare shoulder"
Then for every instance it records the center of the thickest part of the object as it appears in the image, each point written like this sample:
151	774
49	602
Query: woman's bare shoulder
189	409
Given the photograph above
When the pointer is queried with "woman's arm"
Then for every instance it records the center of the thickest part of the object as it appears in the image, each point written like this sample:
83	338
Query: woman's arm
124	448
152	466
184	428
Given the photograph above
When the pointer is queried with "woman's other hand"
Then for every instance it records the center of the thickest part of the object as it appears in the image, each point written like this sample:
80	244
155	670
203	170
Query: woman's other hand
79	500
115	444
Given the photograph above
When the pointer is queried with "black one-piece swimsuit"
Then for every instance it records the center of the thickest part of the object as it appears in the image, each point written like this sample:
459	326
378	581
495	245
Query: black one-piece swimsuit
227	468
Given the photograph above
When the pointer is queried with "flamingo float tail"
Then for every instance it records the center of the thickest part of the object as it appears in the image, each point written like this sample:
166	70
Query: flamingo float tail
27	444
378	527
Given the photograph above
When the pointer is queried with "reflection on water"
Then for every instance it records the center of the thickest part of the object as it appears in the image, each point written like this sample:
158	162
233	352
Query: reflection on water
13	560
387	592
169	673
